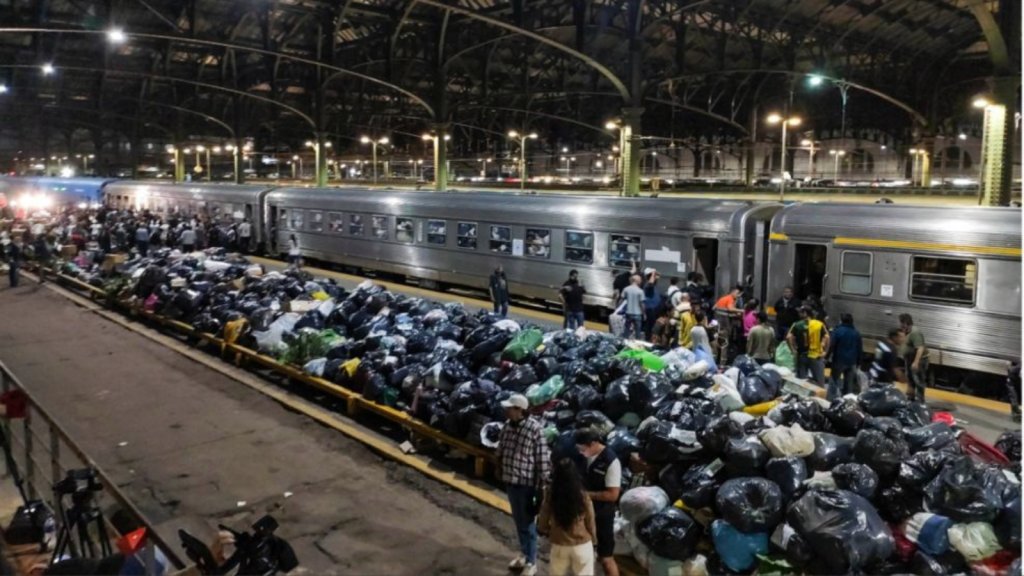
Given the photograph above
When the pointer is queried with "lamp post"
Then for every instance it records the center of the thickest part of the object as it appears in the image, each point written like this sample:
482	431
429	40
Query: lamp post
809	144
201	148
918	155
522	138
374	143
786	122
815	80
836	155
296	160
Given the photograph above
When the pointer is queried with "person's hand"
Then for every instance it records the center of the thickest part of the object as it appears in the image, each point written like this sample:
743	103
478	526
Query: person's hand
914	366
223	547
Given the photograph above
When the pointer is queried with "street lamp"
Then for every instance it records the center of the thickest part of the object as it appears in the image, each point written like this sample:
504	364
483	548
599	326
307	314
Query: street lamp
374	143
296	160
815	80
836	155
48	69
3	88
809	144
522	138
918	155
483	170
786	122
116	36
201	148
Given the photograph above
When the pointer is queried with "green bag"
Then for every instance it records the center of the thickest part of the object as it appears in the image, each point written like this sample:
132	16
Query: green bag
540	394
522	345
651	362
784	357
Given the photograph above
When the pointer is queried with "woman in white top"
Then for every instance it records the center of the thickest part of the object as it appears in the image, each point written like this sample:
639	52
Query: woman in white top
294	256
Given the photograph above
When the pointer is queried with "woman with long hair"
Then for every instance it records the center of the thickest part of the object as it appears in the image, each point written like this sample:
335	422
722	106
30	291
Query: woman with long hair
567	519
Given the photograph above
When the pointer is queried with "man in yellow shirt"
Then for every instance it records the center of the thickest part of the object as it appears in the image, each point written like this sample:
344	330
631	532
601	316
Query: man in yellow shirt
809	339
685	320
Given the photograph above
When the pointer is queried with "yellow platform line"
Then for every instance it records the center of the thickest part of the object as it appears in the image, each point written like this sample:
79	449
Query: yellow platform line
477	490
423	292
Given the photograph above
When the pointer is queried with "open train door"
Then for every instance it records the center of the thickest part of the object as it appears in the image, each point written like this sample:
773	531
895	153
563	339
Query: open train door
756	223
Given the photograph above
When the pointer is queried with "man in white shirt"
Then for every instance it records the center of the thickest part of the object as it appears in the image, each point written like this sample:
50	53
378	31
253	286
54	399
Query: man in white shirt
245	236
602	479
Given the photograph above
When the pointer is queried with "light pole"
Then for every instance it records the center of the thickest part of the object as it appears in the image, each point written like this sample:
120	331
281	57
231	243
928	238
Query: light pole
522	138
918	155
836	155
201	148
484	161
809	144
317	153
296	161
374	143
815	80
786	122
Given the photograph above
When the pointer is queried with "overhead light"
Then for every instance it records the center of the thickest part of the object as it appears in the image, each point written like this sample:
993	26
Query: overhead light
962	136
773	118
815	80
116	36
511	134
980	102
532	136
48	69
366	139
385	140
3	88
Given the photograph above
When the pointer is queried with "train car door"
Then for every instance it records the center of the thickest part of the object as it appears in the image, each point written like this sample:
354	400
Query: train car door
271	231
705	259
810	270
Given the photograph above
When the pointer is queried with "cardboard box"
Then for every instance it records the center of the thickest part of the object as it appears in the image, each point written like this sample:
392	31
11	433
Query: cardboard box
302	306
112	261
68	252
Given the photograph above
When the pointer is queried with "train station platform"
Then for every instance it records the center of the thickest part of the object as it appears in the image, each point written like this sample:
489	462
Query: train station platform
193	448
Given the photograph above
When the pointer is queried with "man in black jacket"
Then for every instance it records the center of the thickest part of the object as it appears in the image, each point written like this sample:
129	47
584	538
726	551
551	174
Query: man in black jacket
787	313
499	291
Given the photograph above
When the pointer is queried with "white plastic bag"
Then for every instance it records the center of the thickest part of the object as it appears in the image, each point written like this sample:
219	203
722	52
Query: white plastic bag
974	541
507	325
784	441
640	503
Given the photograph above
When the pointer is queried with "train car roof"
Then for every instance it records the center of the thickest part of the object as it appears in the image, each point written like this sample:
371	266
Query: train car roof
193	190
986	227
70	184
640	215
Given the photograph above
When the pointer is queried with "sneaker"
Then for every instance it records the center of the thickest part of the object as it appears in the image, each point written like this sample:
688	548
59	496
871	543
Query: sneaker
518	563
528	570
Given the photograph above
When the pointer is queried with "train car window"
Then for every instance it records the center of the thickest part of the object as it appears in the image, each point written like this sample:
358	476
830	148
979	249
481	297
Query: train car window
355	224
335	222
316	221
379	227
282	221
437	232
943	279
855	276
466	235
623	250
538	243
404	230
298	217
579	247
501	239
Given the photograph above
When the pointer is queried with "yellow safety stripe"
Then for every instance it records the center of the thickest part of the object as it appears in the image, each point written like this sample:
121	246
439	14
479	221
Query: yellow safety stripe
929	246
778	236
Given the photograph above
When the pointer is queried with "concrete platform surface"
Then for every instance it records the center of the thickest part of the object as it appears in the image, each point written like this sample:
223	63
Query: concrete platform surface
193	448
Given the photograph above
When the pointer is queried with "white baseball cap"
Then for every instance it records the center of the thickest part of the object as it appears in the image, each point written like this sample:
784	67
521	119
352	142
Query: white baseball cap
516	401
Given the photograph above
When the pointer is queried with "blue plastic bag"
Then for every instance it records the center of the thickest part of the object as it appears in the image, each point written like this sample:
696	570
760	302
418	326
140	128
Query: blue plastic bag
737	550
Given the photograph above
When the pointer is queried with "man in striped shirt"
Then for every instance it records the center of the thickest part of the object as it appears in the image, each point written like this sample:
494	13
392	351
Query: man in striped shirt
884	368
525	465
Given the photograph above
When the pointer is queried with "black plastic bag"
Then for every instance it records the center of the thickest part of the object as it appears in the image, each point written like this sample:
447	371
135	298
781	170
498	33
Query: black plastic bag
617	401
830	451
807	413
787	473
913	415
882	400
594	420
745	457
745	364
961	492
856	478
881	453
755	390
717	433
751	505
918	470
518	379
1008	523
663	443
689	413
1009	444
546	368
311	319
842	530
671	534
623	443
581	397
885	424
493	345
944	565
695	485
647	391
936	436
896	503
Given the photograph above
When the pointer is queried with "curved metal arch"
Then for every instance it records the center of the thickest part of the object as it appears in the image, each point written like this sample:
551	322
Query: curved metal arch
600	129
702	112
238	47
292	109
101	114
603	70
997	49
206	117
917	116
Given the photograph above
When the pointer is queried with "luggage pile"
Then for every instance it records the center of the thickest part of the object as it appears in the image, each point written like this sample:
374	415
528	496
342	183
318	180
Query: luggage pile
748	470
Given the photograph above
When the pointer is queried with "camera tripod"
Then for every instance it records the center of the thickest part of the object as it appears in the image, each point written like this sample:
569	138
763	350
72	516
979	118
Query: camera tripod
75	522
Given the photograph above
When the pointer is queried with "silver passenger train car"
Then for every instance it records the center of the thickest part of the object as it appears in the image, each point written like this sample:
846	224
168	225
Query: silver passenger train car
956	271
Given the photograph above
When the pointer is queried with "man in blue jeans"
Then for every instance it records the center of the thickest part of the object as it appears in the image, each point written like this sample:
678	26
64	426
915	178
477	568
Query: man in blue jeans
634	297
525	465
847	351
499	291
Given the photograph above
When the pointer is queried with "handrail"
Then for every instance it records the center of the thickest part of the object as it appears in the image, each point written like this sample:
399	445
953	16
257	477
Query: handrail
8	379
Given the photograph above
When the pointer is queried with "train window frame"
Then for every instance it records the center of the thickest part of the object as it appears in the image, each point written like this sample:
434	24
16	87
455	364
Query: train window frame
569	247
356	226
460	235
399	220
316	221
911	295
545	253
843	273
432	236
297	216
379	227
335	222
614	263
506	242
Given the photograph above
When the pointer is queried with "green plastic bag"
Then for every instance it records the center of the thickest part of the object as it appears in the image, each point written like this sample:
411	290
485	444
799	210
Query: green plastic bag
540	394
651	362
522	344
329	339
784	357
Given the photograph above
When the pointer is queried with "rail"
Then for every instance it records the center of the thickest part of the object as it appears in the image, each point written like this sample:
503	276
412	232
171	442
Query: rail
53	442
354	401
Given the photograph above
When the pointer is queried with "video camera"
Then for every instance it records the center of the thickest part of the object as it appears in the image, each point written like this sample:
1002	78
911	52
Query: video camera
258	554
80	484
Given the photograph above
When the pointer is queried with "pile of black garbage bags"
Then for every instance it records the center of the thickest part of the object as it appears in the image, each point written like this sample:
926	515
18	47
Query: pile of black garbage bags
744	471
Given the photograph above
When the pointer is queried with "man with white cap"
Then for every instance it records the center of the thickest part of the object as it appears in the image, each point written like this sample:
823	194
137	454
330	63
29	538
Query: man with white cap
525	466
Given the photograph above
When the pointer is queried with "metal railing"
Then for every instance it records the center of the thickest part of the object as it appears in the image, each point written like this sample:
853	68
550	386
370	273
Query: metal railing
45	449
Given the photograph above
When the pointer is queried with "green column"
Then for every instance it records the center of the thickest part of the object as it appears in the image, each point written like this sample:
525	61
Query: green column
631	151
321	159
440	158
179	164
997	144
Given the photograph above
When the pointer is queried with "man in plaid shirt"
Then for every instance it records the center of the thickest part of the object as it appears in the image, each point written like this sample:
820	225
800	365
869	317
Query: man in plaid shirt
525	466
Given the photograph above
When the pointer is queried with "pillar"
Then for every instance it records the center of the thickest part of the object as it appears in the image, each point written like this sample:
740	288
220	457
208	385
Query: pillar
321	159
997	144
631	153
928	145
748	175
179	163
440	158
236	158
